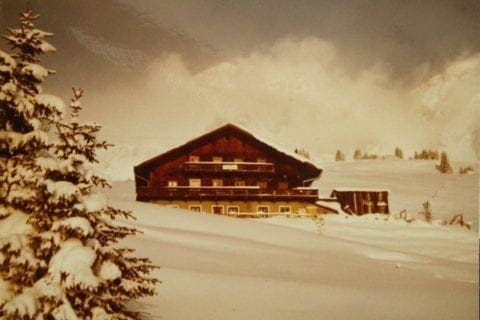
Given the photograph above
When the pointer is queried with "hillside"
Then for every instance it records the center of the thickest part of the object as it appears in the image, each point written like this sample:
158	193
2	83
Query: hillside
411	182
214	267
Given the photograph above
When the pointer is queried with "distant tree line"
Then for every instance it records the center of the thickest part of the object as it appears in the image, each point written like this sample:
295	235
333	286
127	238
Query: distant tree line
357	155
426	155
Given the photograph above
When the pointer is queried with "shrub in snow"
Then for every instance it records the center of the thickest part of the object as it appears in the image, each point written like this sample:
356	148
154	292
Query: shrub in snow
457	220
304	153
59	251
427	211
464	170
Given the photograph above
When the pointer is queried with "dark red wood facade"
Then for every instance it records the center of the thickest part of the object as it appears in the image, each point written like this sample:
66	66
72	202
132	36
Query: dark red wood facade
362	201
228	163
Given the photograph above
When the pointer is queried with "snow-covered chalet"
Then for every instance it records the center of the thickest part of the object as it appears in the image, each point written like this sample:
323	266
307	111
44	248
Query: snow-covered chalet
230	171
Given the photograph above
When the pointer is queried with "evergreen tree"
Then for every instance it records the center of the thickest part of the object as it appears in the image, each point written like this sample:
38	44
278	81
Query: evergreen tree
339	156
445	166
398	153
357	154
59	257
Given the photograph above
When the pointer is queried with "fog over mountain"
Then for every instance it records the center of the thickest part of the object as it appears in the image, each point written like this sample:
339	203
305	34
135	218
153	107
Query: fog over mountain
319	75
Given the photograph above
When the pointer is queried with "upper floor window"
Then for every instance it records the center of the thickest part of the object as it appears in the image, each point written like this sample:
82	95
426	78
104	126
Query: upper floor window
194	158
172	183
262	184
217	159
283	185
217	182
195	182
261	160
237	160
239	183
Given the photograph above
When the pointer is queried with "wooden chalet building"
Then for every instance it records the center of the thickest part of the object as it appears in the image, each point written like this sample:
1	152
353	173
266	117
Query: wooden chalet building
229	171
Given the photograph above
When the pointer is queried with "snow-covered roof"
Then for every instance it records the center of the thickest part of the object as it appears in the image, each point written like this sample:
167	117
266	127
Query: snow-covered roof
264	140
267	139
360	189
334	206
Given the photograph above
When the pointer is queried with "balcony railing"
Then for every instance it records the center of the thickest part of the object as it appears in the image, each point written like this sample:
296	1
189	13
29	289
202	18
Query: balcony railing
226	192
225	167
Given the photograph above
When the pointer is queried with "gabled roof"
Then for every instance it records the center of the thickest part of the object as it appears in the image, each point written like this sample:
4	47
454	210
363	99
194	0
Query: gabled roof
206	138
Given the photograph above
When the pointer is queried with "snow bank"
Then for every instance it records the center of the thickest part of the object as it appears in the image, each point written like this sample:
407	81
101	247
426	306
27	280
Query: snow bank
282	268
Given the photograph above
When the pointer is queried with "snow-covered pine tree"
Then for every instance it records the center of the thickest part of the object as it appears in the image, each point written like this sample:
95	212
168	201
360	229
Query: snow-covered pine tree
59	251
357	155
444	166
339	156
398	153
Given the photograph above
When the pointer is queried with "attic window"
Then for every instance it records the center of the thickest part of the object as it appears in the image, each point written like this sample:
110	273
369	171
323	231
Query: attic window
172	183
217	159
194	158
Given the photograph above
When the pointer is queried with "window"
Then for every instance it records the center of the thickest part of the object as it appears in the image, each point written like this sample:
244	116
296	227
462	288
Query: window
217	159
233	209
263	209
261	160
172	183
195	182
240	183
285	209
194	158
217	182
195	208
216	209
237	160
283	185
262	184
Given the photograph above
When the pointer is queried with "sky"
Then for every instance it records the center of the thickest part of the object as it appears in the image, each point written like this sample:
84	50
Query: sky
318	75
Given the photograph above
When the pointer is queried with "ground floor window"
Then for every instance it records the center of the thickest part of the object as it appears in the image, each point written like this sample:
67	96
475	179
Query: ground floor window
233	209
195	208
285	209
217	209
263	209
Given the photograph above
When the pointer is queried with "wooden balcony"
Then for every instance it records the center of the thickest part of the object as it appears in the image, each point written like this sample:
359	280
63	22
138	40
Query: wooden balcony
229	167
226	193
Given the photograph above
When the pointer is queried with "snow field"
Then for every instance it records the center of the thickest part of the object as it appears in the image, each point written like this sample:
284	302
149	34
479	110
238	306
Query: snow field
368	267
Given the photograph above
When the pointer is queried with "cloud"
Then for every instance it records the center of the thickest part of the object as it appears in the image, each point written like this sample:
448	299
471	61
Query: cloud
299	91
